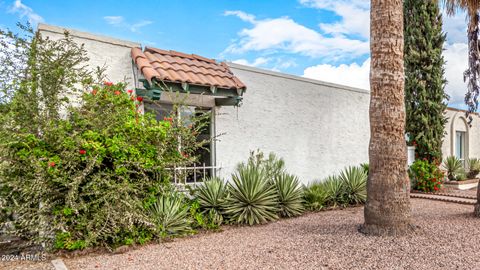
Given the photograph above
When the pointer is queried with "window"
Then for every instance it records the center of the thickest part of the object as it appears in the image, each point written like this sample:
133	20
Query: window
460	146
204	167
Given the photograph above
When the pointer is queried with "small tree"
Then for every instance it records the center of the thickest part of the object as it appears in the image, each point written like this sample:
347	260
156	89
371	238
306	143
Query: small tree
425	98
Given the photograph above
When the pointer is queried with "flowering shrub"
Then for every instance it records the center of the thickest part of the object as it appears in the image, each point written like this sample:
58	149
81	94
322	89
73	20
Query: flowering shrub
426	176
87	179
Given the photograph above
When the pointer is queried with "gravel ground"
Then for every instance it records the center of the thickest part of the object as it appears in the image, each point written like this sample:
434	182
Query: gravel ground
468	192
447	238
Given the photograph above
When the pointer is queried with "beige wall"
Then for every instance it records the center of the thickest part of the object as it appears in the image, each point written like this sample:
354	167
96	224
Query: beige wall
458	122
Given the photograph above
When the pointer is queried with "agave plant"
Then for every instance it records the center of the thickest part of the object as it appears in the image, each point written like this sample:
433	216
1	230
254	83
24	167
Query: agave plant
272	165
170	215
365	167
335	191
473	168
454	167
316	196
354	180
253	200
290	195
211	197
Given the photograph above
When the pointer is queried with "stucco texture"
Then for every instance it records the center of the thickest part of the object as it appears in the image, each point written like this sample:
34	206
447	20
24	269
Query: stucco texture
317	128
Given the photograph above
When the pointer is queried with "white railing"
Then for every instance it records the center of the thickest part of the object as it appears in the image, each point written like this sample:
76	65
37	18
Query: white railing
192	175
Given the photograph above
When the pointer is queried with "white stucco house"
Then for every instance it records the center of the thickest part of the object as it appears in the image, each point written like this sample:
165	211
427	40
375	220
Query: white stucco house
318	128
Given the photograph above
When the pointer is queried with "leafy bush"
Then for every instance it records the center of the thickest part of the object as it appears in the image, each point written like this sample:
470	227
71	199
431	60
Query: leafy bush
454	167
426	176
211	196
290	195
473	168
253	200
354	180
92	172
170	216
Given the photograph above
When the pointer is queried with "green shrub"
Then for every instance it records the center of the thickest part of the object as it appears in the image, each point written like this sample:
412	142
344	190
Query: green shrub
253	200
290	195
426	176
454	167
211	197
316	196
473	168
92	172
170	216
354	180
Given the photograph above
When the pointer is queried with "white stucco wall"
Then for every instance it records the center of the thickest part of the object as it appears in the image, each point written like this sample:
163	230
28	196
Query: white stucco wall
458	122
318	128
112	53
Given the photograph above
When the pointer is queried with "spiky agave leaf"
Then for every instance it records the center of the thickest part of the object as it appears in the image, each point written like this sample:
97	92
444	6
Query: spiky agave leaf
252	199
454	167
290	195
211	197
335	191
354	180
170	215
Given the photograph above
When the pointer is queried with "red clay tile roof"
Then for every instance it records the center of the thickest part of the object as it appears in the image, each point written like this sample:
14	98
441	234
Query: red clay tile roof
178	67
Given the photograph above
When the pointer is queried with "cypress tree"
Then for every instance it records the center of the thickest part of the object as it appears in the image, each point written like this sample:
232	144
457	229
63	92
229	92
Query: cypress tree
425	98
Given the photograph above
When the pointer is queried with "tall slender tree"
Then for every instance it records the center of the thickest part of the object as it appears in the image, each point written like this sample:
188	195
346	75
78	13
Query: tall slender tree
387	211
472	74
425	98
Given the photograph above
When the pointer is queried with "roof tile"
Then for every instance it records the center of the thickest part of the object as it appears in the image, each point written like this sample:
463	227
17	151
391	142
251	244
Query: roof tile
173	66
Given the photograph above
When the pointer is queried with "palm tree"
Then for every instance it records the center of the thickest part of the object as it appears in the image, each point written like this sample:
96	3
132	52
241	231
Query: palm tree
387	210
472	74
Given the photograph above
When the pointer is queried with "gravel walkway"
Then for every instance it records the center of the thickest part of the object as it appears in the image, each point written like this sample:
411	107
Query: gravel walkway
448	238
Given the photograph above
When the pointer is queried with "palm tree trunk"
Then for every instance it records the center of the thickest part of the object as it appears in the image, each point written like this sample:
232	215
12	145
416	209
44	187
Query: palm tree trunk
387	211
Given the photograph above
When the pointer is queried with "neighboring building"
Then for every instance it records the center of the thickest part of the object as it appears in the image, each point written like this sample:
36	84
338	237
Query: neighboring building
461	139
317	127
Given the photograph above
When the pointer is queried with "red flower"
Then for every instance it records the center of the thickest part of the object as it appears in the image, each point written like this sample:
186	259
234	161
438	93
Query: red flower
140	99
108	83
82	152
130	91
94	92
51	164
436	188
117	92
169	119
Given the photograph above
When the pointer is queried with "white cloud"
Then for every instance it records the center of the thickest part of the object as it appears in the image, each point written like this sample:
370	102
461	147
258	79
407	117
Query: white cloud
242	15
355	16
287	36
119	21
25	11
114	20
456	56
455	28
257	62
353	75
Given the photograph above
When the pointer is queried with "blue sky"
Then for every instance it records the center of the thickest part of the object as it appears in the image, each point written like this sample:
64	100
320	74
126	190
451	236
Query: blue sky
321	39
